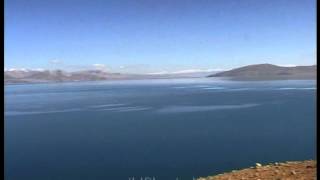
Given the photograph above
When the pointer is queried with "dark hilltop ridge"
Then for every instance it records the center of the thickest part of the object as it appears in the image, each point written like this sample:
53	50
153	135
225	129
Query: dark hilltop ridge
269	72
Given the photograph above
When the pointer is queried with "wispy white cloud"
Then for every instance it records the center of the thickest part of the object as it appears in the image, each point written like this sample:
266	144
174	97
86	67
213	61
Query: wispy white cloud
185	71
160	72
195	71
16	69
287	65
100	66
24	69
55	61
38	69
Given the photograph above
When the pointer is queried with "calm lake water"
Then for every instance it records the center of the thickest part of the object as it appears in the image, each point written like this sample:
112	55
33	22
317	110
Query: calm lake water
165	129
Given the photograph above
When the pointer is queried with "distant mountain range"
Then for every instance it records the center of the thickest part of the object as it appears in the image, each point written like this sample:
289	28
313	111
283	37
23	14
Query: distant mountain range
269	72
251	72
36	76
14	76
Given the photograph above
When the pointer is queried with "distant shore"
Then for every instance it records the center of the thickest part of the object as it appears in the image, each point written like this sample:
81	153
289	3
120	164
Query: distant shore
258	72
106	80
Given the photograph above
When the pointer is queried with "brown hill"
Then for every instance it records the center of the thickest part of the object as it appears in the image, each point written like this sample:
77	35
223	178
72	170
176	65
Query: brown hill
306	170
269	72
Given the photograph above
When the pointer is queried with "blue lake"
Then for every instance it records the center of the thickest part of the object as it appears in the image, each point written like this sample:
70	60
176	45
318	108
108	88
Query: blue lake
167	129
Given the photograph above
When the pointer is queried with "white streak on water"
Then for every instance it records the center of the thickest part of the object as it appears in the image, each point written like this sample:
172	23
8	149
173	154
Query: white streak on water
125	109
182	87
306	88
134	109
17	113
185	109
213	88
241	89
106	105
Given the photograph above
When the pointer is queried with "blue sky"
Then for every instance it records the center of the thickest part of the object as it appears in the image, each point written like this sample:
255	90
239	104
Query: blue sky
158	35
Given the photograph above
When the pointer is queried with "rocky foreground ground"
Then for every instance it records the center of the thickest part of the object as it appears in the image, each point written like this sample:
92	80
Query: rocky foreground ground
300	170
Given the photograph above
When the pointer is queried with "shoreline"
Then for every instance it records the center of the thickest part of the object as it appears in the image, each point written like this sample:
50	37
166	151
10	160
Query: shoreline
288	170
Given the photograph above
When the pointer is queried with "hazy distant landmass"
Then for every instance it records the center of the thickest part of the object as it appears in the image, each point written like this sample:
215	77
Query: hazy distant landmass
45	76
251	72
269	72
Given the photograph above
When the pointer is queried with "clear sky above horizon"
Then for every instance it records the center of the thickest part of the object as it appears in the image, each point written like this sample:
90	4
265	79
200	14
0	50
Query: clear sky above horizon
158	35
